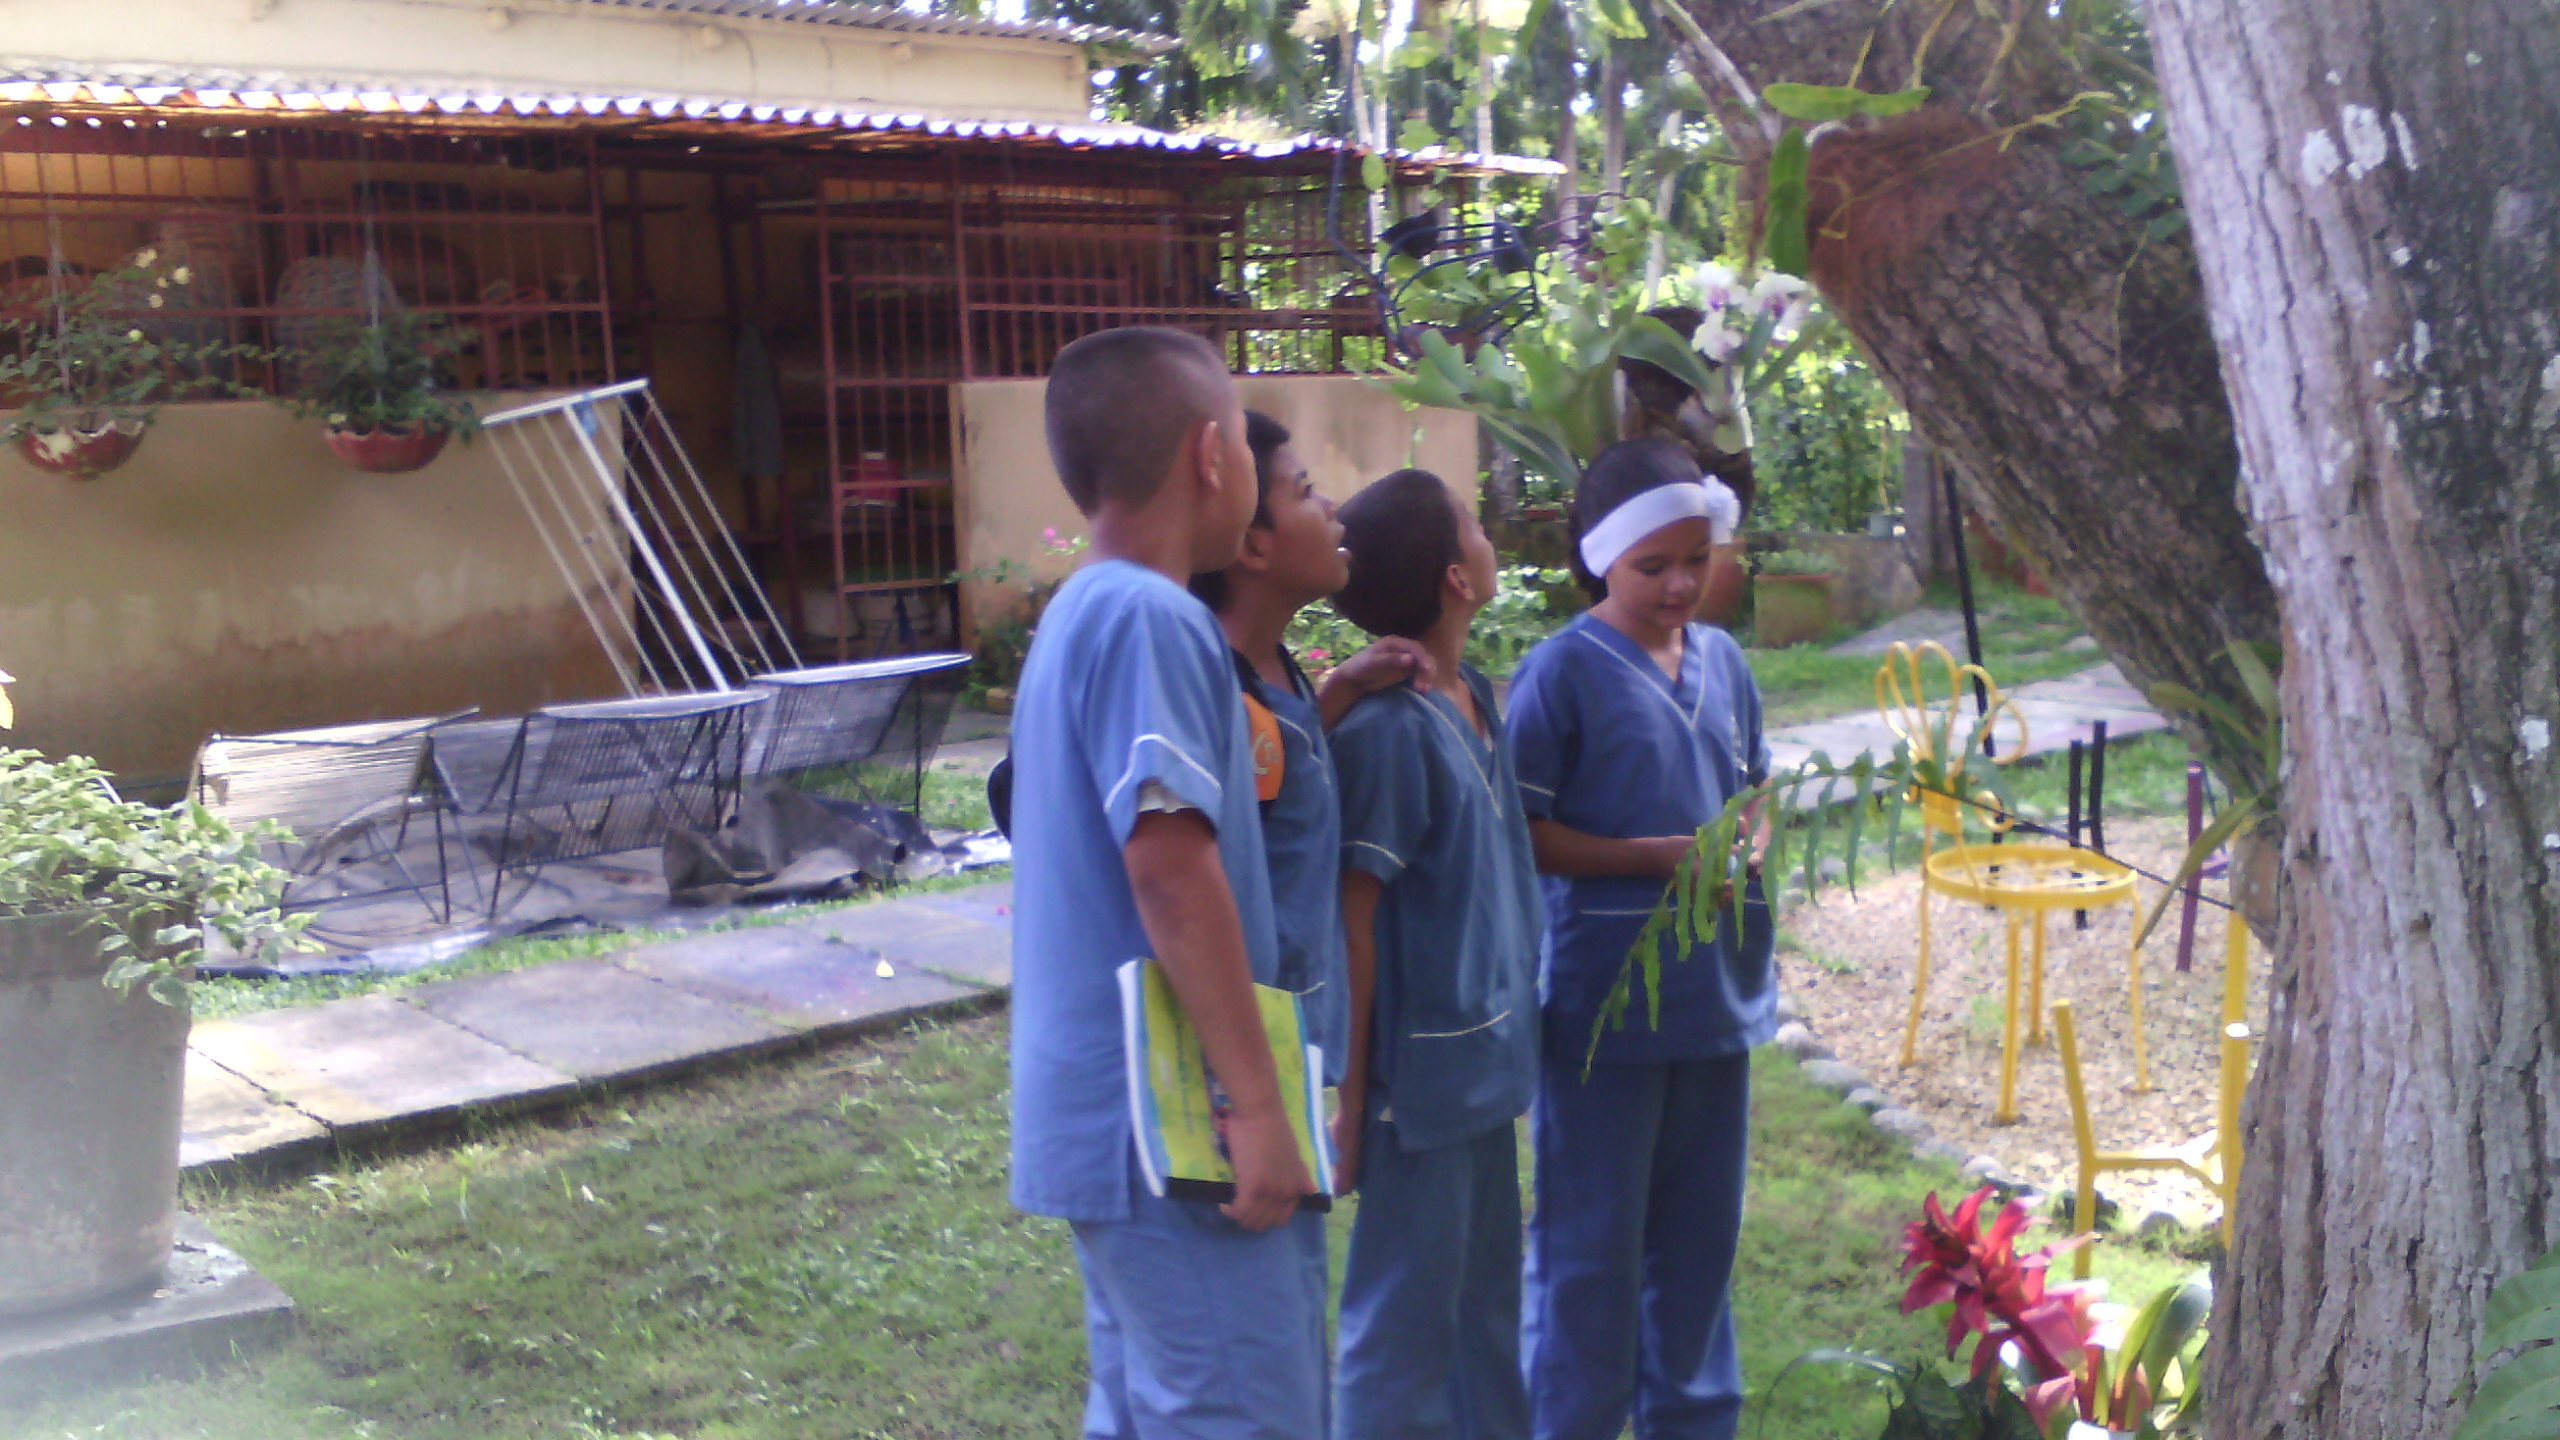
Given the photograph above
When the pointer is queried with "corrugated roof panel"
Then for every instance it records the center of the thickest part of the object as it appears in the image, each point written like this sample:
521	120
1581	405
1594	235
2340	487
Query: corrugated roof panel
32	82
896	18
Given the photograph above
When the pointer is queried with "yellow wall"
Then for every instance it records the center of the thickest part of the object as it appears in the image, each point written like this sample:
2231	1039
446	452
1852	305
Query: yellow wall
235	576
1347	430
554	47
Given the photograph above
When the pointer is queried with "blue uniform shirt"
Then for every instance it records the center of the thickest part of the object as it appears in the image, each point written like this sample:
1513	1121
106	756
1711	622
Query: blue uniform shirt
1128	681
1302	832
1607	744
1433	811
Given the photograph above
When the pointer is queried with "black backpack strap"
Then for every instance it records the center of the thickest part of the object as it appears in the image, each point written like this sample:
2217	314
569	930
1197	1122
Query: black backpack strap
1000	795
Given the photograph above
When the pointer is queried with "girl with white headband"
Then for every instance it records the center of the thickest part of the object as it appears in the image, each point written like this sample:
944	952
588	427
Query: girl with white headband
1629	729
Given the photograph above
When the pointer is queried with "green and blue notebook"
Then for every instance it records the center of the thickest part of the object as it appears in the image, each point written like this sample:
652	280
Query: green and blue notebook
1177	1108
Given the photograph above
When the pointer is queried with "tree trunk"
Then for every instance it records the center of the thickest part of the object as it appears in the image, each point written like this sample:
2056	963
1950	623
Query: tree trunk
1927	530
2375	191
1613	126
2057	359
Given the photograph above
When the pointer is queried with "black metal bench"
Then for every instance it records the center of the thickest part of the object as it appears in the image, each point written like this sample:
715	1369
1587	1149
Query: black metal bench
569	782
874	723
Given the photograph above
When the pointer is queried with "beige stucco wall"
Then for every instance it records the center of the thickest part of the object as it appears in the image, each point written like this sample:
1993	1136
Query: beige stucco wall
235	576
553	47
1347	430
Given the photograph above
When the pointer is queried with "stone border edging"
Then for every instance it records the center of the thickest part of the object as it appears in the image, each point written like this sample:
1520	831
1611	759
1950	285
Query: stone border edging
1828	1072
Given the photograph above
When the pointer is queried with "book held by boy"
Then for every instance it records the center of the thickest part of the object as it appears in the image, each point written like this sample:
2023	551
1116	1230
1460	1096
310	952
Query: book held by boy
1179	1111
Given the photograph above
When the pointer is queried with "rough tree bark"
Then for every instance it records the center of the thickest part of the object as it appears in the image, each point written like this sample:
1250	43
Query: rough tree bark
2375	190
2059	362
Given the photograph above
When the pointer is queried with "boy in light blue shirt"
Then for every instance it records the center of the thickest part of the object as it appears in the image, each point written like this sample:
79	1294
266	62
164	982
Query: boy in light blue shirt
1136	834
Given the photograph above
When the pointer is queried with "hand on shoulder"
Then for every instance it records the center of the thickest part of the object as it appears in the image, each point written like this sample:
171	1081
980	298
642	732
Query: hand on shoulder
1386	663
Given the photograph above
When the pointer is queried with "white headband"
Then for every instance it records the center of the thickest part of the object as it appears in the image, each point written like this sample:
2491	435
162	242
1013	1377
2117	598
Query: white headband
1620	529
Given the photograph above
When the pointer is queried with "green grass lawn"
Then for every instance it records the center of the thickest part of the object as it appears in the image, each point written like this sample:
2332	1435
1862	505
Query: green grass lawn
2022	640
821	1247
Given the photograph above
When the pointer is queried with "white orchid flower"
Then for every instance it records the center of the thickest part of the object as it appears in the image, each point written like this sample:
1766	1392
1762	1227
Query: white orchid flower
1773	292
1718	287
146	259
1717	341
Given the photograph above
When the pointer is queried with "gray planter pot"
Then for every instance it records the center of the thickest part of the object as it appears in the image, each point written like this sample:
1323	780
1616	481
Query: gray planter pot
91	1083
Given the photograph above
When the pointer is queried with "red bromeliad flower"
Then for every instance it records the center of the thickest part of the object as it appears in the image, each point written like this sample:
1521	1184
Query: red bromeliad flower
2000	1296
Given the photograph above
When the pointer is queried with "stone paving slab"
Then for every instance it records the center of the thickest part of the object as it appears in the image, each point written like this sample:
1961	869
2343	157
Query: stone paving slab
595	1021
352	1064
946	940
792	978
991	903
228	1118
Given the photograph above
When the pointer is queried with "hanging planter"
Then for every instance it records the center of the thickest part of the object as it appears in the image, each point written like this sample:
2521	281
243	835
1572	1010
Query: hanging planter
89	371
79	452
387	450
379	385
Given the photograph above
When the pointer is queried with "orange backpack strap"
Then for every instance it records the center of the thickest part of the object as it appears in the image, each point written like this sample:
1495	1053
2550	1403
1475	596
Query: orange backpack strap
1270	756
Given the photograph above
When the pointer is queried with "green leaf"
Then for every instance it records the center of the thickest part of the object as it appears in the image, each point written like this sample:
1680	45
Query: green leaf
1417	134
1862	775
2520	1402
1656	344
1373	171
2164	225
1798	8
2256	678
2224	826
1617	19
2522	1310
2159	1333
1783	237
1815	104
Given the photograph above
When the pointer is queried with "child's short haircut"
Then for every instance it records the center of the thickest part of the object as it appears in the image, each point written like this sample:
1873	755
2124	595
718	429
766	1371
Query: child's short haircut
1617	475
1264	436
1402	533
1119	405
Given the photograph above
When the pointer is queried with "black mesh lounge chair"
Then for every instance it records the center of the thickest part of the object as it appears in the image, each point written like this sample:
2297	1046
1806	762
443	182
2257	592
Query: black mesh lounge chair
868	726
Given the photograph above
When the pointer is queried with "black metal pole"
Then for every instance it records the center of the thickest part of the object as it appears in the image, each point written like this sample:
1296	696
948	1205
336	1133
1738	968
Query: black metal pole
1964	596
2098	786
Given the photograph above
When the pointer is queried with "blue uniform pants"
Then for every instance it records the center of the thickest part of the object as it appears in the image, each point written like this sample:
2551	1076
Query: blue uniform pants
1201	1329
1639	1188
1431	1293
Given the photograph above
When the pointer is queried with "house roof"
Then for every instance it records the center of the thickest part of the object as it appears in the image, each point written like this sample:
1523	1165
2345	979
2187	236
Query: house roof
893	17
172	93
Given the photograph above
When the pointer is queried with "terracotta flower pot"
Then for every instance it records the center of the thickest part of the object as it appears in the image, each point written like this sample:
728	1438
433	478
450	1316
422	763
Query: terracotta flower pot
1790	610
387	451
1727	583
80	453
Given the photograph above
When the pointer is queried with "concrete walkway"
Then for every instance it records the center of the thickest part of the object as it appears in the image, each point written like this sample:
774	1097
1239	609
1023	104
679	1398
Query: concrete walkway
282	1085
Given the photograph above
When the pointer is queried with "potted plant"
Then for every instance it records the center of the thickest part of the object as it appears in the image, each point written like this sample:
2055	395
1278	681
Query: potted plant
380	385
104	905
2050	1362
87	375
1791	598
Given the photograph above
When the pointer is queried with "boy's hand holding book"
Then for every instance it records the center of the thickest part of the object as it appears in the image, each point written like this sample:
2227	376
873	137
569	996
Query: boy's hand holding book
1270	1176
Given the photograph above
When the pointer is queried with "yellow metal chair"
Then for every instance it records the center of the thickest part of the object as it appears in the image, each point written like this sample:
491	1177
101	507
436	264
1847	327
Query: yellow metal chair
2024	882
2213	1157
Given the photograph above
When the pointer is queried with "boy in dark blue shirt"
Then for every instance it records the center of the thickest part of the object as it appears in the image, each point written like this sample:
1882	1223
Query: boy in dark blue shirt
1136	834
